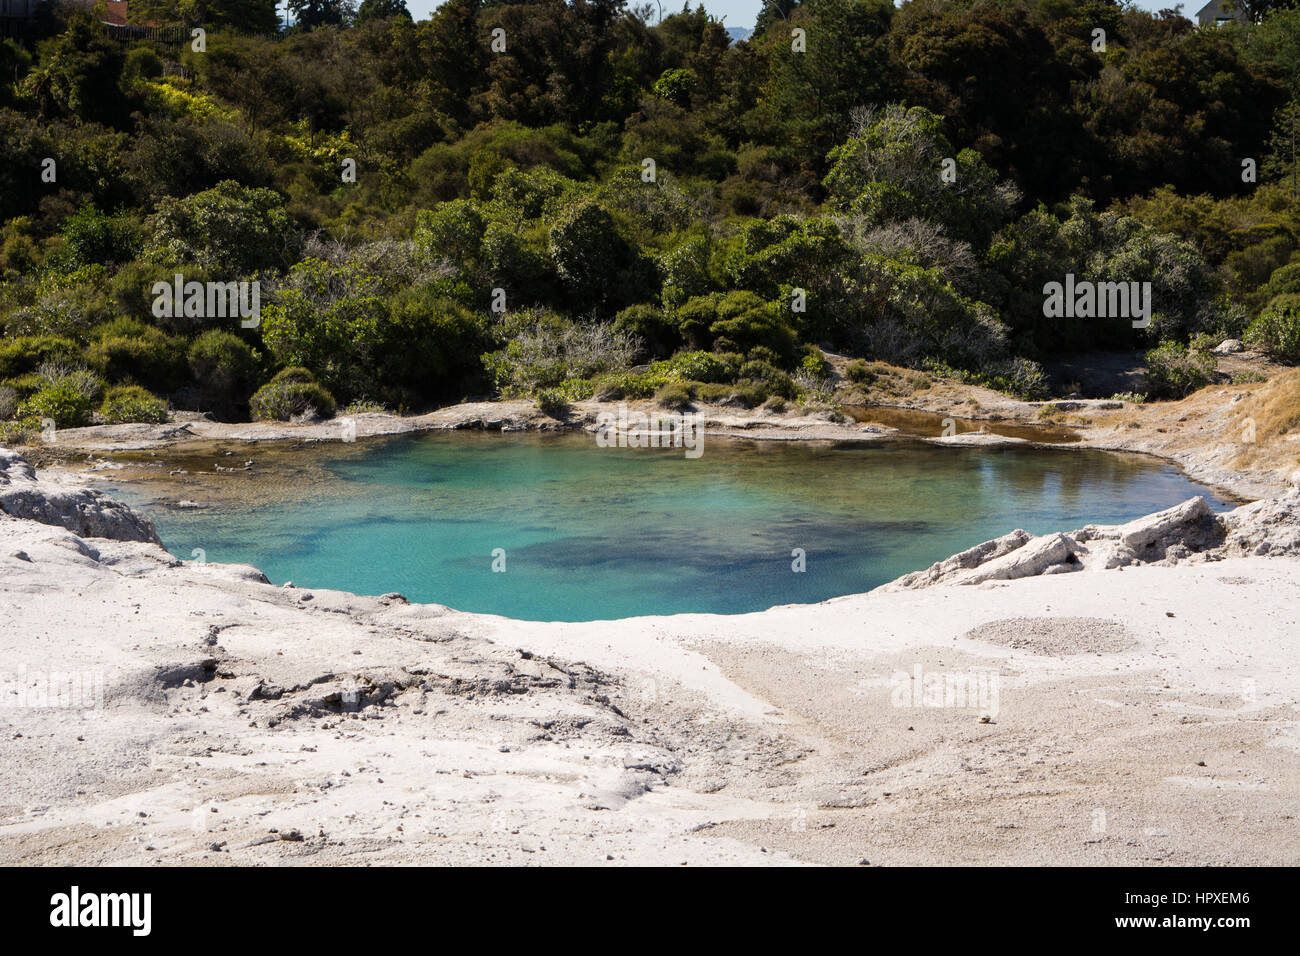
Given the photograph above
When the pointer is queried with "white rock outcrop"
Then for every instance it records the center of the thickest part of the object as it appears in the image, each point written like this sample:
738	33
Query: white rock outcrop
82	511
1189	531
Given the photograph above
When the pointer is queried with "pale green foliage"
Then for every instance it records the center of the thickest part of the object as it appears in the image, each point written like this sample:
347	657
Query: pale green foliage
230	229
544	350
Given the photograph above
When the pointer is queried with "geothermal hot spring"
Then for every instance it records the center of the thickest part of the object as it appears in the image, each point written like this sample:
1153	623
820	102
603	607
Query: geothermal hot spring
589	533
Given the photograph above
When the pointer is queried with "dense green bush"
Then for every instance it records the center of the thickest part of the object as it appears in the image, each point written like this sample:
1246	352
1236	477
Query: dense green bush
1173	370
232	229
651	327
131	403
1284	281
66	395
552	402
692	367
626	385
674	396
769	379
367	332
127	350
739	321
815	363
744	394
292	393
226	371
26	353
1019	377
25	386
91	237
1277	330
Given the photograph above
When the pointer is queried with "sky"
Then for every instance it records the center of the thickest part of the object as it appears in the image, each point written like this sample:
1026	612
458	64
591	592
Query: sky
743	13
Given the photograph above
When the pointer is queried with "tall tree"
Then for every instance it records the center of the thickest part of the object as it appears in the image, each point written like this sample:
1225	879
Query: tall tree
310	14
382	10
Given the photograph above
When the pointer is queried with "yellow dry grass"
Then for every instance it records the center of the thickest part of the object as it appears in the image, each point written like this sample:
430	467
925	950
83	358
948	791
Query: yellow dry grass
1268	423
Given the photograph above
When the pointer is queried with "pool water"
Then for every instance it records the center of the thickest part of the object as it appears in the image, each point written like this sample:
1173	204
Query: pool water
578	532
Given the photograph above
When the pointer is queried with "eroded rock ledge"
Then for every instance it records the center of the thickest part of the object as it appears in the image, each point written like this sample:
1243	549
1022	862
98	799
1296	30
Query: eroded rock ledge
87	513
1189	532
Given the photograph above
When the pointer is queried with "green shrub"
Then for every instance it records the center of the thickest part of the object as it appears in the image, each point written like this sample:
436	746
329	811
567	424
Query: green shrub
1174	370
131	290
19	252
745	318
775	404
127	350
1020	377
743	394
860	372
1134	398
291	394
815	362
21	432
141	63
650	326
131	403
627	385
576	389
698	366
294	373
226	371
1284	280
1277	330
552	402
675	396
769	379
91	236
8	402
26	385
28	352
230	228
66	400
608	390
365	407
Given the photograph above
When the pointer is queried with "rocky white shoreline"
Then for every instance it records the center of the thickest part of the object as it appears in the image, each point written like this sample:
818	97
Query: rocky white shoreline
1145	709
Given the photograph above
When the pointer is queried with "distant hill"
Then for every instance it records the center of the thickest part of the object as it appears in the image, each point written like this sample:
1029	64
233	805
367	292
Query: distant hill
739	33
